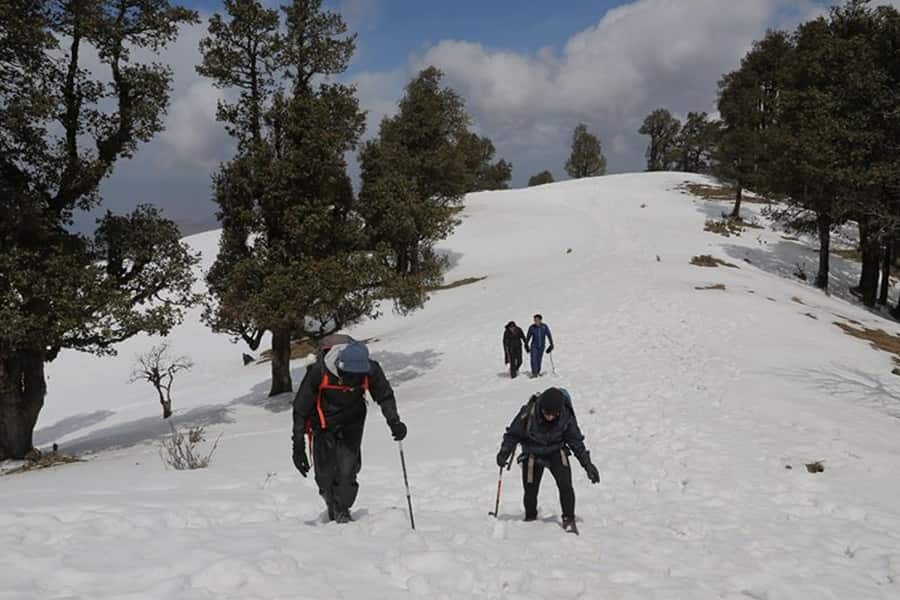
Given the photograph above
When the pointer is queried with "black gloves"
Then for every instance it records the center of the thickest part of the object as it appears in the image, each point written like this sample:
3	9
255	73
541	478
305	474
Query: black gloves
550	349
398	429
300	460
592	472
503	457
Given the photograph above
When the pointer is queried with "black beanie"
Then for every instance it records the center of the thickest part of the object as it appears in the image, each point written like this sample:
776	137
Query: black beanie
552	400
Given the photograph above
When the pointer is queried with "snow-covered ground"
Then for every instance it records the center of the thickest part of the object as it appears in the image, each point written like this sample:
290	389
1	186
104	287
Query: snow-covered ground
695	403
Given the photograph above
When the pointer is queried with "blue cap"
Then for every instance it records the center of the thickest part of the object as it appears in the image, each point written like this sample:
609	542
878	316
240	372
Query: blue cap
354	358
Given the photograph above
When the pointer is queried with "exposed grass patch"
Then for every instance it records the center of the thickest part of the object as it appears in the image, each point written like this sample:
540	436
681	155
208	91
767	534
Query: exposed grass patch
725	227
716	193
798	300
705	260
457	283
43	460
811	316
716	286
299	349
849	253
878	338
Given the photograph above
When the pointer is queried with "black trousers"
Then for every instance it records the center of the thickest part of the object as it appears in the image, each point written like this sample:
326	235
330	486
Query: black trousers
560	468
337	460
515	363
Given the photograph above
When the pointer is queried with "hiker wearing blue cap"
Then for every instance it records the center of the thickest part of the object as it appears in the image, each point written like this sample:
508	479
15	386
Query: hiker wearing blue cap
330	409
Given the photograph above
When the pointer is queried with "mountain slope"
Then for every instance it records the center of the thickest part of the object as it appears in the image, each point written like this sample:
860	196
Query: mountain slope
694	403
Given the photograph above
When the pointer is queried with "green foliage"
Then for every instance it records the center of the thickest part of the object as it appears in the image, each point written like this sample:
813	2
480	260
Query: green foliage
663	130
695	144
485	174
587	158
540	179
414	176
62	129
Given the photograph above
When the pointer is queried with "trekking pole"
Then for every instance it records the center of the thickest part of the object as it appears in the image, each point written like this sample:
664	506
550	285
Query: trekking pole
508	466
552	364
412	522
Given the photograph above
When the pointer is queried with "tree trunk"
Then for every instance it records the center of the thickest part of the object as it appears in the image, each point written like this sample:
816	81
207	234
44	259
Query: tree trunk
22	391
281	362
888	259
166	403
871	266
824	223
738	196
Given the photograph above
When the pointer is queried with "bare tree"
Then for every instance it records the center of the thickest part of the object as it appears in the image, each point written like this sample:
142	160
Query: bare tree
158	366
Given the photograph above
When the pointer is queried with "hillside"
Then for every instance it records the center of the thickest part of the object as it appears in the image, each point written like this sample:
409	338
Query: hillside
700	406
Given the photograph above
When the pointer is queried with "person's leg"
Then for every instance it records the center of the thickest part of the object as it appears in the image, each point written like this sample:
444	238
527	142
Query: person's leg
561	469
515	363
324	450
348	464
531	482
537	356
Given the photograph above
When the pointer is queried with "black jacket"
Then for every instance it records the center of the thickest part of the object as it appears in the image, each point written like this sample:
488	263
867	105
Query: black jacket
340	407
513	340
541	438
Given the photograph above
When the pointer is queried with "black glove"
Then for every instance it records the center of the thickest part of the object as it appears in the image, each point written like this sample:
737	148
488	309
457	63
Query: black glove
300	460
550	349
505	360
592	473
399	430
527	350
503	457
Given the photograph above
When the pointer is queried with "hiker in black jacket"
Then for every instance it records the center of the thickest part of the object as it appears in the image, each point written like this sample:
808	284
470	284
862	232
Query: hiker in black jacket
513	341
330	406
548	432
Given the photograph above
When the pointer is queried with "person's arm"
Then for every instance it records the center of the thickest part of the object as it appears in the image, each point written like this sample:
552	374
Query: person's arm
305	400
528	339
575	441
383	394
514	434
522	338
505	347
549	337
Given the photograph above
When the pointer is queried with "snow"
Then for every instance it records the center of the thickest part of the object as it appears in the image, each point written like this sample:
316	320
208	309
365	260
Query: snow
694	403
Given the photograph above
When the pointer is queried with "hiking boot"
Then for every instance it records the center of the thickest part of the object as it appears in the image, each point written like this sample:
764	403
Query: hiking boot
568	523
529	518
343	516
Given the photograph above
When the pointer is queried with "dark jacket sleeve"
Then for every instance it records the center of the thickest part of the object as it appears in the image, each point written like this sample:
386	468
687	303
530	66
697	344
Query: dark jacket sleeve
522	338
305	400
549	335
530	334
382	393
515	433
575	441
506	345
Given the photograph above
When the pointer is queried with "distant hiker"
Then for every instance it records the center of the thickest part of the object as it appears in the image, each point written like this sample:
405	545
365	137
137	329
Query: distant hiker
548	432
330	406
538	336
513	340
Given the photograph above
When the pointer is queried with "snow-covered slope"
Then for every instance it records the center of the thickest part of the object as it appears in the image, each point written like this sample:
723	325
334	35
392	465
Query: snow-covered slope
700	407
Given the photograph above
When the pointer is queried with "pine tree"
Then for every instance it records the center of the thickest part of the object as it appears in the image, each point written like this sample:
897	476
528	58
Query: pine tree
414	176
62	130
663	130
292	258
748	105
485	174
695	144
541	178
587	158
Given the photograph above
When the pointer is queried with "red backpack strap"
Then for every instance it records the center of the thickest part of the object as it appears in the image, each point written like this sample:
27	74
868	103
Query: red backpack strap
323	385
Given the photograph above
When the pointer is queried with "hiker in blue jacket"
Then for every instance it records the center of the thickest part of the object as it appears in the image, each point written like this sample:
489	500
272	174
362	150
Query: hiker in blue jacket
538	336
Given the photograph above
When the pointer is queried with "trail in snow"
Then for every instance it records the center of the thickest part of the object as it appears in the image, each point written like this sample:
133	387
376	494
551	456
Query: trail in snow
693	404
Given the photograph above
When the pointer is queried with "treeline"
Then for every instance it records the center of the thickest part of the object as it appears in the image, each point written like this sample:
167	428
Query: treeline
811	117
301	254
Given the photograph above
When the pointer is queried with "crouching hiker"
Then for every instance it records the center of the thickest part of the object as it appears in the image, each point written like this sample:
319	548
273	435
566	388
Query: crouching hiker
548	432
330	407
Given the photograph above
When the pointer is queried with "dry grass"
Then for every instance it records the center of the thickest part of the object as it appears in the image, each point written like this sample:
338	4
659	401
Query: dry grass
716	193
725	227
849	254
717	286
43	460
299	349
457	283
879	338
798	300
811	316
705	260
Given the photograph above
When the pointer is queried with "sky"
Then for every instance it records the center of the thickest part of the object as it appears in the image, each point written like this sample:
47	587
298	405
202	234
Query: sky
529	71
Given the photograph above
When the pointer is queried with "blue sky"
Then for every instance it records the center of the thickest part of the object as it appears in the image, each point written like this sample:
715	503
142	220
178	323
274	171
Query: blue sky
529	71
